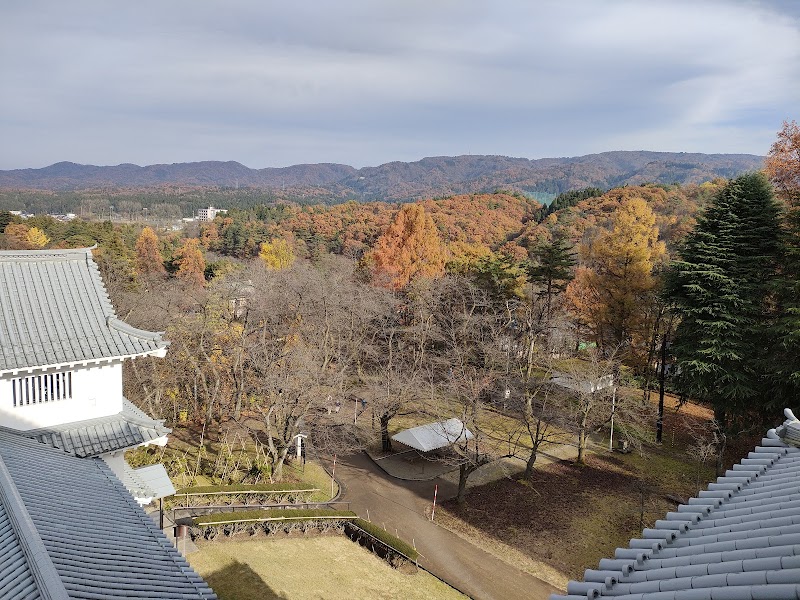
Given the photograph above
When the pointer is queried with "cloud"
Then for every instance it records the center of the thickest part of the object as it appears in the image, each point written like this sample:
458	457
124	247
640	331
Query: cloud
363	82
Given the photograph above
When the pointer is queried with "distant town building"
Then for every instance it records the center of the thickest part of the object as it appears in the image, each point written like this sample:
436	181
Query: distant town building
208	214
63	217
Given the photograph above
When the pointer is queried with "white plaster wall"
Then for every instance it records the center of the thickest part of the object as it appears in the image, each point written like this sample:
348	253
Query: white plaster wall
96	392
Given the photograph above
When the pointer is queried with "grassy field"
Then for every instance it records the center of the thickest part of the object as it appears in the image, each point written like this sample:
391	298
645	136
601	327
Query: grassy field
326	568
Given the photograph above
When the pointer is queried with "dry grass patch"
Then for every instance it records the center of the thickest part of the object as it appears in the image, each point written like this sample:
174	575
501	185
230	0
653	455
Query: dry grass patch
326	568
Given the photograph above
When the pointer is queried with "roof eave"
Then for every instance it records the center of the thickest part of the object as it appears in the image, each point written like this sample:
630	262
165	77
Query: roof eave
159	352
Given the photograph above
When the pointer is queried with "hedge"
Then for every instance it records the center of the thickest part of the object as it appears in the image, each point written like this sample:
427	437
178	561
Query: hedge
241	487
387	538
273	514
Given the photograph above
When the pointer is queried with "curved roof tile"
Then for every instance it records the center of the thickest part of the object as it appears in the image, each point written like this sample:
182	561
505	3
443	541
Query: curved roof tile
54	309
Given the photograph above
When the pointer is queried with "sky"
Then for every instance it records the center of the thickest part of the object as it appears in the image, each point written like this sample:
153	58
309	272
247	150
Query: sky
365	82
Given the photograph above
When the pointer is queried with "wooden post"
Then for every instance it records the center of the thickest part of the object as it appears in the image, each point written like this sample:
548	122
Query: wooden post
435	493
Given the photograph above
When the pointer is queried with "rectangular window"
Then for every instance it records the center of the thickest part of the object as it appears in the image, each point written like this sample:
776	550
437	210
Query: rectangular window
37	389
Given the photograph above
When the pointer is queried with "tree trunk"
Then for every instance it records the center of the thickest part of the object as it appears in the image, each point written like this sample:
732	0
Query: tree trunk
386	441
720	416
531	462
277	466
651	352
463	475
581	441
661	382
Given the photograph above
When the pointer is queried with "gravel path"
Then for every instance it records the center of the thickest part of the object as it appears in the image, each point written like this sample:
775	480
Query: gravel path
401	506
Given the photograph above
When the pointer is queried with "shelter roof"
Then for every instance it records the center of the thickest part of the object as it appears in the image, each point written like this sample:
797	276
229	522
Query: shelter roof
433	436
739	539
54	310
70	529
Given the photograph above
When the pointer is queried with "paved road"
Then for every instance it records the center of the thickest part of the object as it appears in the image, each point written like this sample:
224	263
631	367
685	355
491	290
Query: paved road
401	505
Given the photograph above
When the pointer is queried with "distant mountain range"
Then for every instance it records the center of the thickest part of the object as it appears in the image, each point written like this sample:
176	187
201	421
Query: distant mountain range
429	177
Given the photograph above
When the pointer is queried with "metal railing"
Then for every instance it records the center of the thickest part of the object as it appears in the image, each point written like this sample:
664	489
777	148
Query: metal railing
193	511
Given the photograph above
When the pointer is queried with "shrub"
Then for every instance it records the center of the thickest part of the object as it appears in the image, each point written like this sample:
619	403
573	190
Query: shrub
244	487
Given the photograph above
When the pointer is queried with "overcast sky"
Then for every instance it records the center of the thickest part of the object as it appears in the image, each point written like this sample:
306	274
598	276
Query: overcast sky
367	82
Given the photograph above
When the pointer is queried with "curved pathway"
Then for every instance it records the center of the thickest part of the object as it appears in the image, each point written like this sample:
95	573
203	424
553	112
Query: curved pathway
401	505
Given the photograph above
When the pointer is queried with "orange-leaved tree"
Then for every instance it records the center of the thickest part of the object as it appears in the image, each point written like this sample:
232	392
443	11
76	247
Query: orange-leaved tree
190	261
19	236
409	248
783	163
148	256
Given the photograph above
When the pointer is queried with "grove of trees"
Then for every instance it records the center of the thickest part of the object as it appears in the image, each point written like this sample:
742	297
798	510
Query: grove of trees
335	322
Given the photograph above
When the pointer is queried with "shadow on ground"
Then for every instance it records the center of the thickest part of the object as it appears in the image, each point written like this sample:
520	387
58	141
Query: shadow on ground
238	581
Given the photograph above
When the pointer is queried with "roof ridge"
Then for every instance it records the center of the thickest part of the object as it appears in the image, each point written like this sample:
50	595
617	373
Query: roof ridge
48	254
39	562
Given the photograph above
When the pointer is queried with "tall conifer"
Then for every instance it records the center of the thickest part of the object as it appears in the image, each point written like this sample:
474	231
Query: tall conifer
722	288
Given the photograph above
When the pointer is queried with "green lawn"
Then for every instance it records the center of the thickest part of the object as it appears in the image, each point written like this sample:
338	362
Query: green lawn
326	568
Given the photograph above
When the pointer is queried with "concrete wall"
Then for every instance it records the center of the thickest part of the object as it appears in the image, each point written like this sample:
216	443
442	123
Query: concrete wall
96	392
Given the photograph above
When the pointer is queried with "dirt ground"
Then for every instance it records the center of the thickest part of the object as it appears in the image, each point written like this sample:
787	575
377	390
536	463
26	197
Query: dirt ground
569	516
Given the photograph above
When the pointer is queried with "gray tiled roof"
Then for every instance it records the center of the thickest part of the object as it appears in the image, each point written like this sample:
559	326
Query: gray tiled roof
55	310
78	533
738	540
16	578
93	437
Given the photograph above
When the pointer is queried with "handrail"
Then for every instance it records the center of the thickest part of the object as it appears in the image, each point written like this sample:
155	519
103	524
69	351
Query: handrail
231	493
267	519
235	507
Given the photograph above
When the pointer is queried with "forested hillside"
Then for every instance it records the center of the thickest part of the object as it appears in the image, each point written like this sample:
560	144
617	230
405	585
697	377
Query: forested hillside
179	189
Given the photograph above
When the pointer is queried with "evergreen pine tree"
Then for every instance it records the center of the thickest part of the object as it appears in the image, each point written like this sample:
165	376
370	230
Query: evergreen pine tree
722	288
552	268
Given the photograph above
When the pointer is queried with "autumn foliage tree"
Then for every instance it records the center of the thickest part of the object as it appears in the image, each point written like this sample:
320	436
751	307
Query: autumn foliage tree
783	163
148	256
19	236
36	238
277	254
191	264
610	292
783	169
409	248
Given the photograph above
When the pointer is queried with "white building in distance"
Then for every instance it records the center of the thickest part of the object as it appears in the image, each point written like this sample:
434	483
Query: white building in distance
208	214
